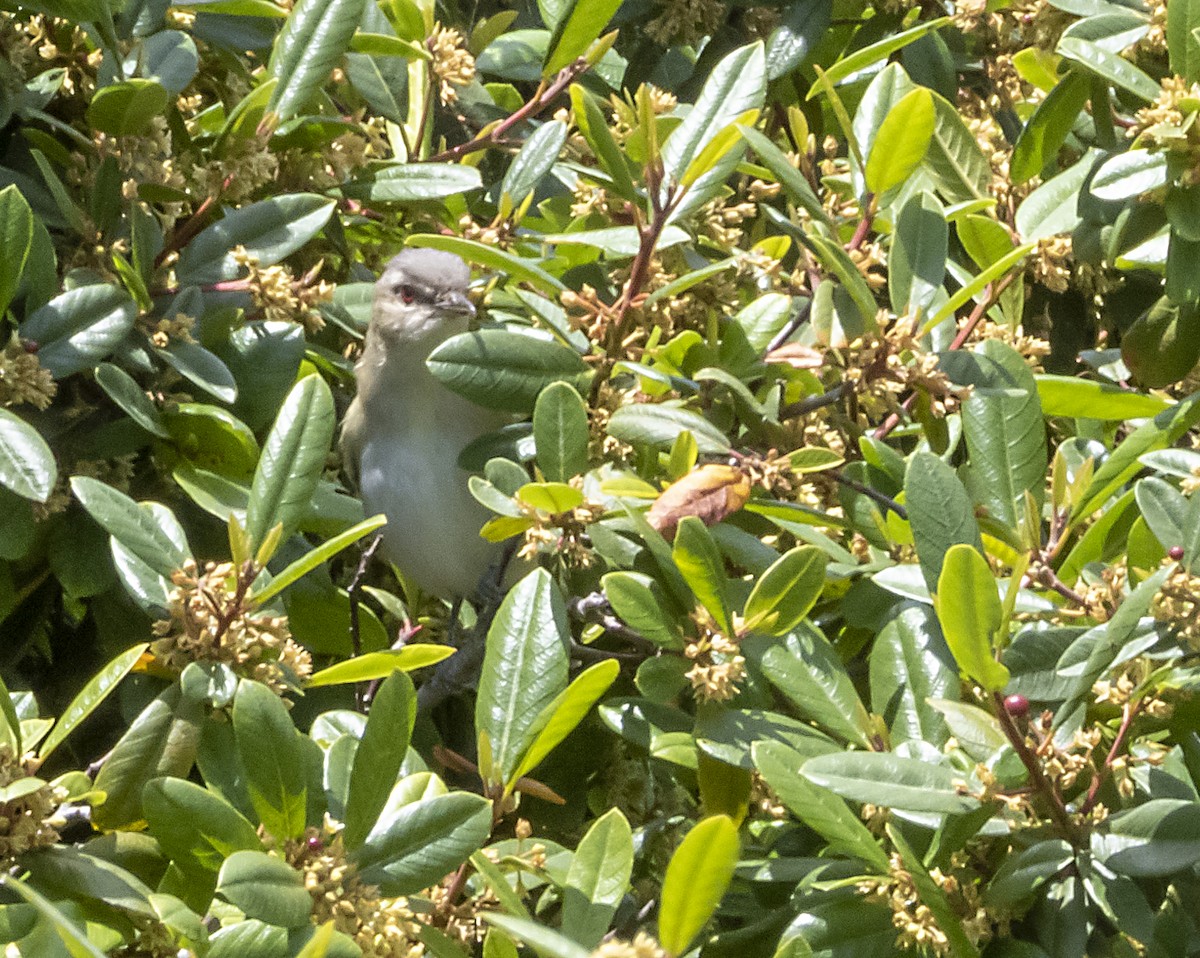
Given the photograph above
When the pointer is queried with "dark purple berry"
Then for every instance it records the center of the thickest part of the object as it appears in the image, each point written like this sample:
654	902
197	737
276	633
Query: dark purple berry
1016	705
30	345
1175	552
314	843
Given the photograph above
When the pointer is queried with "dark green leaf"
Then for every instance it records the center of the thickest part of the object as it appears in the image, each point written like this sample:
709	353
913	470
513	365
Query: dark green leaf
575	32
16	238
699	560
77	329
940	512
271	754
1046	130
889	780
910	664
560	430
127	108
292	460
809	673
126	393
819	809
412	182
524	668
801	27
313	40
506	368
787	591
917	262
423	841
265	887
27	465
195	826
381	750
660	424
269	230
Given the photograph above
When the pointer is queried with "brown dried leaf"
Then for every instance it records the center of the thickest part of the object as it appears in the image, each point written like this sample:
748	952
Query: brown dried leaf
710	493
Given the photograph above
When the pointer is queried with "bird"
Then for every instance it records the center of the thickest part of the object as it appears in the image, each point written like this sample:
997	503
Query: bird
403	433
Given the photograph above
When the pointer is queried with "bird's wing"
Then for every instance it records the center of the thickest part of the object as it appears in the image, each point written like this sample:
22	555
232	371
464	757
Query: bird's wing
351	440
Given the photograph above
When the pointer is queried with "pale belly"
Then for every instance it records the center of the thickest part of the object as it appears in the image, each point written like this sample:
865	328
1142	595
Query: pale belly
433	526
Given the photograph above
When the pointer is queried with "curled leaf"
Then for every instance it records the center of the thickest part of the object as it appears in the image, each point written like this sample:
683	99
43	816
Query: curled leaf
710	493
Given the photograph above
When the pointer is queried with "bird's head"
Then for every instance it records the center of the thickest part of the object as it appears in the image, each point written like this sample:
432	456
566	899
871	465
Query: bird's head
422	296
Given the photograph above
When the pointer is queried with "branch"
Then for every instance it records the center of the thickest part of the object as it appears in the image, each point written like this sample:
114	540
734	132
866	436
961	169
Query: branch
542	98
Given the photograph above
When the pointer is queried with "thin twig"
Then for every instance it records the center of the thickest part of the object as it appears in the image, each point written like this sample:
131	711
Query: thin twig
1127	717
886	501
542	98
1037	775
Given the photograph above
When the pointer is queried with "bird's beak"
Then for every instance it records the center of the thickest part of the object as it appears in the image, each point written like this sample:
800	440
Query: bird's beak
456	302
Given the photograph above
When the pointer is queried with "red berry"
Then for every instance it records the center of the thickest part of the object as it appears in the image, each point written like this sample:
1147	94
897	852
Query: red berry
30	345
1175	552
1016	705
314	843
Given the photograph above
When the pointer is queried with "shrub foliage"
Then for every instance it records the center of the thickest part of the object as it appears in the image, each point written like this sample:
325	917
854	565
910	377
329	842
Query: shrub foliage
852	352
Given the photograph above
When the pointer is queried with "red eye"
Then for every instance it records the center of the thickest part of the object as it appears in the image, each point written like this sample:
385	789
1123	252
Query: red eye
407	293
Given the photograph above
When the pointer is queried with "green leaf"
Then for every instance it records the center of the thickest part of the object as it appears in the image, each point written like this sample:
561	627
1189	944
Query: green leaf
1156	839
74	939
821	810
597	879
660	424
1086	399
1006	435
1044	133
162	740
412	182
800	28
560	431
695	882
968	607
787	591
561	716
195	827
1123	464
808	671
313	40
940	512
524	668
699	560
152	537
1167	513
80	327
978	284
961	170
126	393
933	897
839	263
791	179
265	887
306	563
27	465
876	53
422	841
506	368
1183	46
292	460
736	85
594	127
534	160
16	238
1130	174
381	750
269	230
892	781
576	32
271	754
1115	69
547	941
128	107
909	665
901	142
521	270
917	261
1053	207
97	689
976	731
639	602
378	665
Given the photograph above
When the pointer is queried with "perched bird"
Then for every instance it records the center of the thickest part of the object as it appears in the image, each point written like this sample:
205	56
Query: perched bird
403	433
